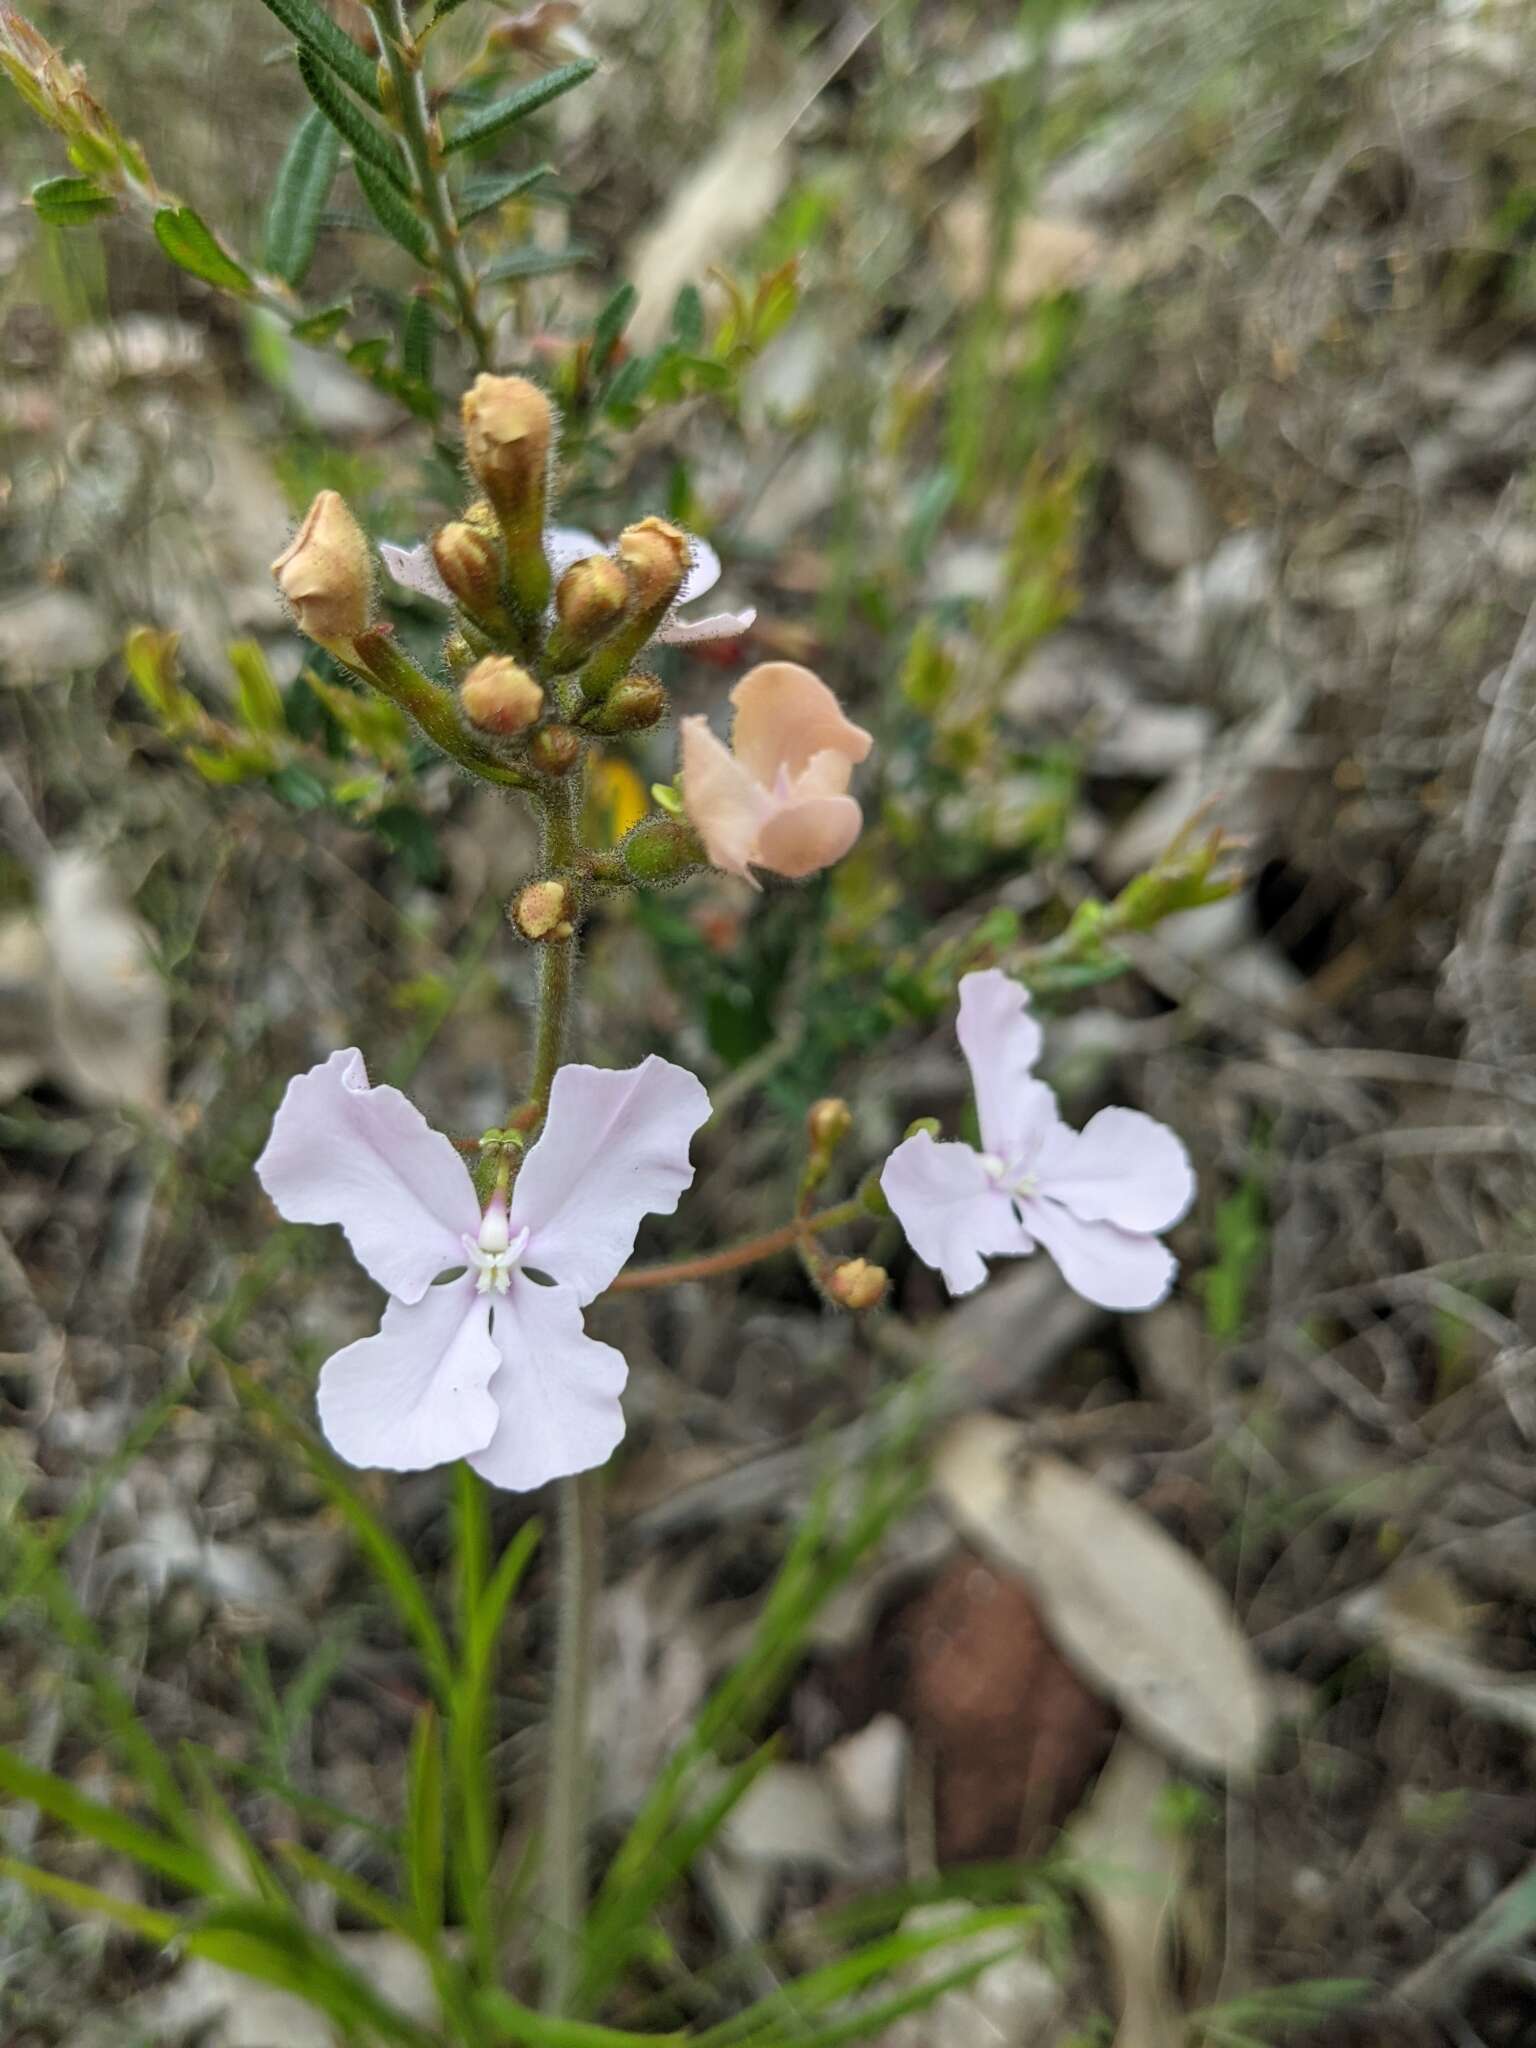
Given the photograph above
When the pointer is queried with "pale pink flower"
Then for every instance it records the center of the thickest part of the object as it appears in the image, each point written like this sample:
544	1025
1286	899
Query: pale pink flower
777	797
1094	1198
414	569
492	1365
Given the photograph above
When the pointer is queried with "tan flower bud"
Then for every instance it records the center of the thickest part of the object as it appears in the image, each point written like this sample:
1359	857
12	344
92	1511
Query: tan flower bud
589	598
468	564
655	558
545	911
326	573
499	697
508	432
857	1284
828	1122
636	705
555	750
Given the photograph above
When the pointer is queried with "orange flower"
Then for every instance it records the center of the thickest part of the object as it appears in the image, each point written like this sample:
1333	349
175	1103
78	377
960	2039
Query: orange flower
777	797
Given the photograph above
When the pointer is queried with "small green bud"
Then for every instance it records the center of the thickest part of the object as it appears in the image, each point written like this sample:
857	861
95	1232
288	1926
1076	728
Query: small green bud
828	1122
659	851
928	1125
638	703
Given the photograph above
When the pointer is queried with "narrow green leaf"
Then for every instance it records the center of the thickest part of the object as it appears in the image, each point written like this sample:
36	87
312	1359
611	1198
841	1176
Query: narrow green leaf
393	213
443	9
352	1890
418	339
313	28
384	1553
84	1898
424	1821
688	319
184	1866
323	326
349	121
69	202
277	1948
610	325
483	195
220	1819
629	383
532	262
259	700
189	241
520	2024
304	181
517	106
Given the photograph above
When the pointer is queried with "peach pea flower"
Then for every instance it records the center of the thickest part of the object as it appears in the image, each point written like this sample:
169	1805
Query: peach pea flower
777	797
491	1364
1095	1198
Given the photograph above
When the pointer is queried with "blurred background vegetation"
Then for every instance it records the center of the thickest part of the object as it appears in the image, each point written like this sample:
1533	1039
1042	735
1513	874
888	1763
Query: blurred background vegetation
1130	410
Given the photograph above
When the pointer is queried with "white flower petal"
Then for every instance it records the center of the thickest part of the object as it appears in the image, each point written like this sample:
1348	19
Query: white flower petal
1122	1167
703	570
614	1149
1001	1043
366	1158
566	544
414	569
556	1395
952	1209
1114	1268
716	626
415	1395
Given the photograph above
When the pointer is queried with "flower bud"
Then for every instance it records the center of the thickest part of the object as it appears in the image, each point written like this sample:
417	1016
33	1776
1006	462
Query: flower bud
555	750
828	1122
499	697
589	599
508	431
660	851
545	911
655	558
923	1126
467	563
857	1284
638	703
326	573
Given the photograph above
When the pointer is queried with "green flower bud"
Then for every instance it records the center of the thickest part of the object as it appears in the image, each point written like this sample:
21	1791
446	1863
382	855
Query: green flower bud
660	851
638	703
555	750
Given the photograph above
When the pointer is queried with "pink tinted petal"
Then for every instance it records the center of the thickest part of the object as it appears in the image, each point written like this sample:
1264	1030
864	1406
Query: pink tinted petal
825	774
366	1158
803	837
414	569
614	1149
1114	1268
703	570
557	1393
1001	1043
566	544
1122	1167
415	1395
717	626
952	1210
725	806
784	715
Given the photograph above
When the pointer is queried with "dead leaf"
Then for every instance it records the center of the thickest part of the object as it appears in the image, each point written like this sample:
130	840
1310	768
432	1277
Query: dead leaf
1130	1872
1124	1602
1427	1628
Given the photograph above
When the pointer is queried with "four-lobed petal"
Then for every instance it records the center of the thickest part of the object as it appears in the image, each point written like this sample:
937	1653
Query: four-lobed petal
556	1393
416	1394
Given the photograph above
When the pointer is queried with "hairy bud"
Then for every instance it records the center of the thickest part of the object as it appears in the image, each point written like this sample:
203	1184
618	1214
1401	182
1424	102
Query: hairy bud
637	704
545	911
326	573
589	600
499	697
555	750
467	563
857	1284
508	432
655	558
660	851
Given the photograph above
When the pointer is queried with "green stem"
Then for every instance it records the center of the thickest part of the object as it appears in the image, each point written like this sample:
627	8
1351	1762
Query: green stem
412	115
557	959
565	1810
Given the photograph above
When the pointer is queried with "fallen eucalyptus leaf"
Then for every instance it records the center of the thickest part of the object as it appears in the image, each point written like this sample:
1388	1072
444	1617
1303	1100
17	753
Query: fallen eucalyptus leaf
1123	1602
1130	1865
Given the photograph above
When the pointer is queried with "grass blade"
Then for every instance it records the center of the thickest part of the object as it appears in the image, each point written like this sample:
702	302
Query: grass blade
190	1868
84	1898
